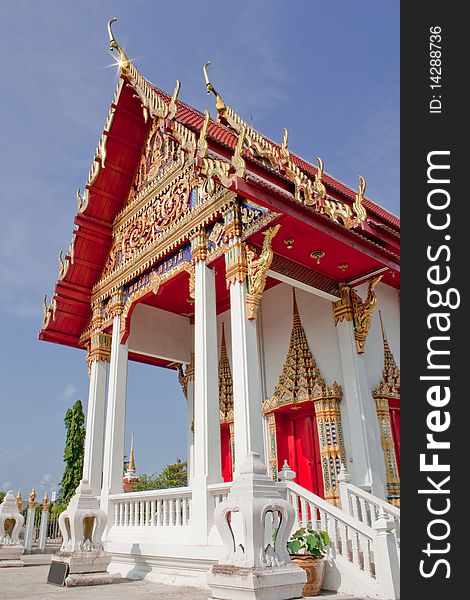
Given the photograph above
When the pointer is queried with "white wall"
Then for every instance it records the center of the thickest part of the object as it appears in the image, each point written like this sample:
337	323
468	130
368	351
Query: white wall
160	333
317	319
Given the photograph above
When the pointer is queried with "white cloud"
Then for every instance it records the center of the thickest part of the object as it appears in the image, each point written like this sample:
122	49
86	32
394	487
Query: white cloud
69	391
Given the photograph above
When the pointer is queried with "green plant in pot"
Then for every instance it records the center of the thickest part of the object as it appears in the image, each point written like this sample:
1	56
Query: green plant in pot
307	548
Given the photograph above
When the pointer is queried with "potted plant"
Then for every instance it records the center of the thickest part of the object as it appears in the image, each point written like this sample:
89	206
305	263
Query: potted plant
307	548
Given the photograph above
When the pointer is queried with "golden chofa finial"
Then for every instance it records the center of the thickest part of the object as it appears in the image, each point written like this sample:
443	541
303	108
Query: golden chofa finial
113	45
219	103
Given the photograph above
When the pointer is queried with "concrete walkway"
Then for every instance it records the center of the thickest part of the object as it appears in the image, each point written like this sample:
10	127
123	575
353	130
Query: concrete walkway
29	583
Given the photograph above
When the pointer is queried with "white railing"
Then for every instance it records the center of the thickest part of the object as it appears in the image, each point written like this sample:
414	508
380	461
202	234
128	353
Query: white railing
156	508
348	538
365	507
371	550
219	491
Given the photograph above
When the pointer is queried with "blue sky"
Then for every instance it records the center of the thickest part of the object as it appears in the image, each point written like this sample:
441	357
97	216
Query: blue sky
328	70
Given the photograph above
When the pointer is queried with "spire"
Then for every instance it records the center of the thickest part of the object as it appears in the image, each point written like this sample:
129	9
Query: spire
300	378
131	464
225	382
390	383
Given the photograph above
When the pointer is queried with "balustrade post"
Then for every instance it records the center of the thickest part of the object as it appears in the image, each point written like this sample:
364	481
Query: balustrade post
28	536
343	479
387	566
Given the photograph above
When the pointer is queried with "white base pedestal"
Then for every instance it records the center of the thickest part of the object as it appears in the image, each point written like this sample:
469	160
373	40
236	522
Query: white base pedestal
85	568
78	579
11	563
10	555
228	582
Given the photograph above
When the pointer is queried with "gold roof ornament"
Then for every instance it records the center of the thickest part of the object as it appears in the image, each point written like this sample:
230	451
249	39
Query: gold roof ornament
389	385
225	383
358	207
19	501
258	266
219	103
362	312
173	106
283	151
113	45
318	185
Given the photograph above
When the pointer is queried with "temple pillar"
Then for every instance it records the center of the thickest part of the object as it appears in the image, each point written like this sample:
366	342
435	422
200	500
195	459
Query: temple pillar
388	389
186	379
206	468
97	359
113	457
247	394
330	434
365	465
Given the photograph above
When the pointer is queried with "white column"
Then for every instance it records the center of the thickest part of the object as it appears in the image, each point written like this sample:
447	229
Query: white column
207	464
43	528
247	389
28	535
358	407
190	440
113	458
93	457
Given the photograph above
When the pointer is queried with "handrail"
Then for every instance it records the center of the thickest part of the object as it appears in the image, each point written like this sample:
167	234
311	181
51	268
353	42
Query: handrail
329	508
166	493
379	502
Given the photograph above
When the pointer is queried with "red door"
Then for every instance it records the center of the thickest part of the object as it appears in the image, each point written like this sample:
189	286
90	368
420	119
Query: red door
304	453
226	452
394	409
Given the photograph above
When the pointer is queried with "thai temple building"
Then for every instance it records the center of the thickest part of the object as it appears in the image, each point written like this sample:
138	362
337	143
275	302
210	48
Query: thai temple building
272	290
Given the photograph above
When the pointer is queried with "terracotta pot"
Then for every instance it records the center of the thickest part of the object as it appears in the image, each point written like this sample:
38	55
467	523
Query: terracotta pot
315	569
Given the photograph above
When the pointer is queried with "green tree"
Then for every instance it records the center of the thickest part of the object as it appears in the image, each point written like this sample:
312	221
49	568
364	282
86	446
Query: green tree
173	475
73	453
2	496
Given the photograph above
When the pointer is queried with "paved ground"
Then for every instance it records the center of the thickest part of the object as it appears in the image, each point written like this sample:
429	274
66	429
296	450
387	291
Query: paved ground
29	583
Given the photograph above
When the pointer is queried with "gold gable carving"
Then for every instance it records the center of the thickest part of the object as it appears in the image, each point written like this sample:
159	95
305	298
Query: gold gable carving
300	379
160	213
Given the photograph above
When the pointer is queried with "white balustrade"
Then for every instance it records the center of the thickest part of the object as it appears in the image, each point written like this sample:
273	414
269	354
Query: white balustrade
219	492
365	507
155	508
348	538
358	542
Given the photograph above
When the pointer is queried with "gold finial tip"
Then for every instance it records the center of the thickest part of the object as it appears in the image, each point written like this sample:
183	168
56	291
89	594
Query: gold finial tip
112	42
